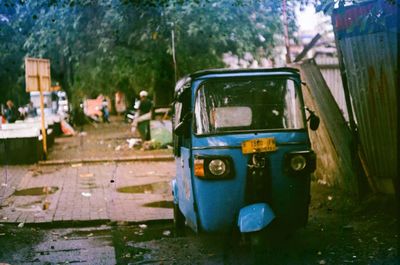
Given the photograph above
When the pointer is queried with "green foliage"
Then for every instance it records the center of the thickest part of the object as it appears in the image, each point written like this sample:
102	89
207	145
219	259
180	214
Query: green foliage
108	45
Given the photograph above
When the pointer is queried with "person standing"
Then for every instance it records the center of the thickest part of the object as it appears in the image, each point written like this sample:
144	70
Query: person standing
78	116
104	111
54	102
145	107
31	110
11	113
120	105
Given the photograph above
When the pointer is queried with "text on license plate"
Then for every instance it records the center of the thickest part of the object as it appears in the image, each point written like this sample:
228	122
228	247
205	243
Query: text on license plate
258	145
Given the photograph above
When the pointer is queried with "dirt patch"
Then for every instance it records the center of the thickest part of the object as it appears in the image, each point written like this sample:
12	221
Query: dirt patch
343	229
100	141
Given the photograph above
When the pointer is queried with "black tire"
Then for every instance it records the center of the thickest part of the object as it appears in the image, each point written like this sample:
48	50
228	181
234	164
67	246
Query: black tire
257	240
179	220
258	247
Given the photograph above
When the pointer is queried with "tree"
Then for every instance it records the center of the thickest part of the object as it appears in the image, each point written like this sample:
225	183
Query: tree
101	46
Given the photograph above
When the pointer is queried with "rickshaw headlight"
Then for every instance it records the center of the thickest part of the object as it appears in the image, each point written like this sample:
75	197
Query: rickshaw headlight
298	162
217	167
213	167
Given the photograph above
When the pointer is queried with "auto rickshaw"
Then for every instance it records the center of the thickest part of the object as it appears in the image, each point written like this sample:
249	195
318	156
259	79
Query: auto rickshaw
242	150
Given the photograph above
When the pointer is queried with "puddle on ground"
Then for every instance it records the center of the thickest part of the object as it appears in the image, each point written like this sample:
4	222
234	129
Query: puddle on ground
160	204
88	233
29	204
33	208
36	191
131	235
127	241
134	254
162	187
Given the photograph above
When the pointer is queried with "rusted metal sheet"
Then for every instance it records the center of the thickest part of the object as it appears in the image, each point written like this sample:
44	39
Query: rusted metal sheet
334	140
370	55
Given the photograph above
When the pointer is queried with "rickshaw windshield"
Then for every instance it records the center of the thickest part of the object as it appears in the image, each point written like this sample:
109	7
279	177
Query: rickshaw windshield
247	104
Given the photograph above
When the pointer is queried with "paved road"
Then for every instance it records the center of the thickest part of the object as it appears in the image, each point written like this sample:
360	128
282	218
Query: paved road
135	191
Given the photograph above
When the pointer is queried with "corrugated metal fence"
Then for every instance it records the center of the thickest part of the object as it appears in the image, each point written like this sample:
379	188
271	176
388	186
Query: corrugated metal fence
370	55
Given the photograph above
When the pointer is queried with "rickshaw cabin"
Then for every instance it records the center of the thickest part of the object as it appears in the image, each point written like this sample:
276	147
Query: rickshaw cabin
242	150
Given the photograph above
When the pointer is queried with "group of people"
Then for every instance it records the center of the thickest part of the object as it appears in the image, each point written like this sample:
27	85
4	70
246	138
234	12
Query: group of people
11	113
142	123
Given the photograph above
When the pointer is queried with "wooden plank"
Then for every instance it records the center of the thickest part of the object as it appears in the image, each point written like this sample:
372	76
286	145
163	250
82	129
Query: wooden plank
307	48
339	135
37	78
36	69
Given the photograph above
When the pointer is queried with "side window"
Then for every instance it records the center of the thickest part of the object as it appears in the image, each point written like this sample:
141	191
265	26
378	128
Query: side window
181	110
186	111
175	121
177	113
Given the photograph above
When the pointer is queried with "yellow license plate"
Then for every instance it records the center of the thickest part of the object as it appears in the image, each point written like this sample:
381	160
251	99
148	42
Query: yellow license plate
258	145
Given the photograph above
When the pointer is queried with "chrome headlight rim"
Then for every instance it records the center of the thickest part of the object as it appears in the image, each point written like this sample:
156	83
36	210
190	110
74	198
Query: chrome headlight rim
308	155
298	162
217	167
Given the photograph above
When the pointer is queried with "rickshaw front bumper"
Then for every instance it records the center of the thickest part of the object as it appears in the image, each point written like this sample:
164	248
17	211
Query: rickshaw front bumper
255	217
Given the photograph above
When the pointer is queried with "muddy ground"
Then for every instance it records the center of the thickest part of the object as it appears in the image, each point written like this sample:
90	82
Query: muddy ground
339	232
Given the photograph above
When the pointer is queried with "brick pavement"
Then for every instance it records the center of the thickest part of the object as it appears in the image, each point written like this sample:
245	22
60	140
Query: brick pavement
87	192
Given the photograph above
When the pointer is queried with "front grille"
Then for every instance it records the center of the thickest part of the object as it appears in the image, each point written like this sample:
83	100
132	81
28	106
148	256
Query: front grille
258	179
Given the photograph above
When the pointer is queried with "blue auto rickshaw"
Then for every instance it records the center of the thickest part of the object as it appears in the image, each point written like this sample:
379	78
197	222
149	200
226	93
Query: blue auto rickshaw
242	150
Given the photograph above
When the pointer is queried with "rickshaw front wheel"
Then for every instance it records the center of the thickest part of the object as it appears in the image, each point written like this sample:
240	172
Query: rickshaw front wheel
257	240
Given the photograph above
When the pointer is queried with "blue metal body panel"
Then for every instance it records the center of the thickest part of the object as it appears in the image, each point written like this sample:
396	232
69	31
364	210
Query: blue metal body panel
174	191
185	194
255	217
282	138
219	201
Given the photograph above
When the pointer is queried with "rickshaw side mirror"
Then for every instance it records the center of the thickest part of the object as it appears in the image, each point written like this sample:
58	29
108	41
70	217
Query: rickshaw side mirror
183	127
179	129
313	119
314	122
